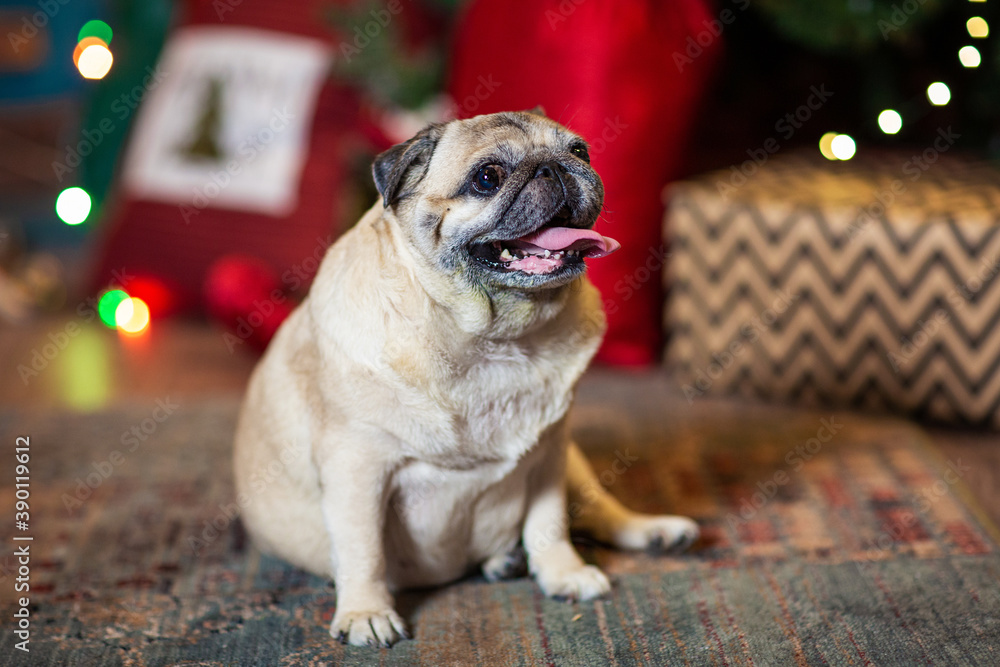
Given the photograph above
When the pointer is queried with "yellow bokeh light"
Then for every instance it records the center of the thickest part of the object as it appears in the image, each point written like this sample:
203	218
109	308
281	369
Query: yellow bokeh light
132	316
938	93
843	147
978	27
84	377
824	145
890	122
84	43
969	56
95	61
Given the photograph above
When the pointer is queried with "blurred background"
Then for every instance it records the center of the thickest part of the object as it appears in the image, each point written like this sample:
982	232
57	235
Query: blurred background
184	164
807	196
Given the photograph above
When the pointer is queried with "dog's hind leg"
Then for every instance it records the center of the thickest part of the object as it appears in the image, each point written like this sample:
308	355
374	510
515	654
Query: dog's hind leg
597	513
508	564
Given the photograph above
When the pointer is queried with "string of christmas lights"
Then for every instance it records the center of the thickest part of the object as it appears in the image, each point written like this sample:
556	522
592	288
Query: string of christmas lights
839	146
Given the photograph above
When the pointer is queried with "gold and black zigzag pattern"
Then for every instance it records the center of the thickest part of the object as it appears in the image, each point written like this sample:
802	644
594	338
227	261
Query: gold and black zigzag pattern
845	284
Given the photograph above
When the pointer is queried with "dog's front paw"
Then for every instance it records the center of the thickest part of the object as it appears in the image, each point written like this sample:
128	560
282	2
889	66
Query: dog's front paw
667	534
582	583
383	627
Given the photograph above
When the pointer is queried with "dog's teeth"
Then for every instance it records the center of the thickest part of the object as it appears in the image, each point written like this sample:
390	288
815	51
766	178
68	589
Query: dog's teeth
505	255
557	255
548	253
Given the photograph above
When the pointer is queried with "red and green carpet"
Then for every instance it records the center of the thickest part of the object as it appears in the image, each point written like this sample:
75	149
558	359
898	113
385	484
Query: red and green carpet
829	539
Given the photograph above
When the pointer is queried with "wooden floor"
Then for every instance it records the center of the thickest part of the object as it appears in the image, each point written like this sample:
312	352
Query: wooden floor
72	362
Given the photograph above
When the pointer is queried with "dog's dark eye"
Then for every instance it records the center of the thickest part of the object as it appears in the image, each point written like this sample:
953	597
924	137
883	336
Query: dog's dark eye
488	179
580	151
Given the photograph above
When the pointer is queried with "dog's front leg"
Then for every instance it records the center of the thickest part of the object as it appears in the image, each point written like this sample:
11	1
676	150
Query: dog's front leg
355	473
552	559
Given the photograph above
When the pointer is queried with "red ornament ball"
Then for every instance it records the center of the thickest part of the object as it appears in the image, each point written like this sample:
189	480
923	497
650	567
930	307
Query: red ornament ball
246	297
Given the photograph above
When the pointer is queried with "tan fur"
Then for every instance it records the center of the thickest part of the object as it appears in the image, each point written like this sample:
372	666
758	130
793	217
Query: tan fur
407	424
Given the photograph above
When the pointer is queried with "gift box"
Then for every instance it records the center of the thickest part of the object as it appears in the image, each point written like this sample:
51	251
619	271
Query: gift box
870	283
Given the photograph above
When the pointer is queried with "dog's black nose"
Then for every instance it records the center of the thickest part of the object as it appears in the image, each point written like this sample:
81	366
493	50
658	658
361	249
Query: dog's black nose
548	170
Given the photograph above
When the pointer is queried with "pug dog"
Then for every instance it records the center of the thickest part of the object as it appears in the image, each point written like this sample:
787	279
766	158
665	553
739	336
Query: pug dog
407	424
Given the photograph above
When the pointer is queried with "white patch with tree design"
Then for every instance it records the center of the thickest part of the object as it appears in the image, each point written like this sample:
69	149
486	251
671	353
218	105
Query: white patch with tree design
228	126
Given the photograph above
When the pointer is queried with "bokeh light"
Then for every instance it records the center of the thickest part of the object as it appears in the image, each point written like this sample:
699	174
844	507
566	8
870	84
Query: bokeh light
969	56
132	316
95	61
938	93
108	304
843	147
978	27
73	205
890	122
824	145
84	371
95	28
83	44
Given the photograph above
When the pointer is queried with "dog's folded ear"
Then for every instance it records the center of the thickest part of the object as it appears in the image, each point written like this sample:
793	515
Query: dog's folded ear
538	111
398	170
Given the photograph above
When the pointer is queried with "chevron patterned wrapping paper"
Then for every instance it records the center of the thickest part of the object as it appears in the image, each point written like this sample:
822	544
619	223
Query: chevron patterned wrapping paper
870	284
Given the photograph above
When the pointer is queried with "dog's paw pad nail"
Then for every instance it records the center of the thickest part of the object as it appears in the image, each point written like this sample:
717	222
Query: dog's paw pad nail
585	583
373	629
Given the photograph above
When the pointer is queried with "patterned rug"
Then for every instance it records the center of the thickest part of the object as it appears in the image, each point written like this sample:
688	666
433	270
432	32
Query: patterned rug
829	539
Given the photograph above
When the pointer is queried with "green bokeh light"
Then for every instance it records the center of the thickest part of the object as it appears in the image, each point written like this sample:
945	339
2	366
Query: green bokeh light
73	205
96	28
108	304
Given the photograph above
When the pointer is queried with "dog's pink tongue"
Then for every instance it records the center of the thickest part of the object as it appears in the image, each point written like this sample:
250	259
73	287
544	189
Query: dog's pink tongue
568	238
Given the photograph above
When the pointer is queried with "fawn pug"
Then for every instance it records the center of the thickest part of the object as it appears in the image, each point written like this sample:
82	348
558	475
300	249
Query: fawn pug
423	384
